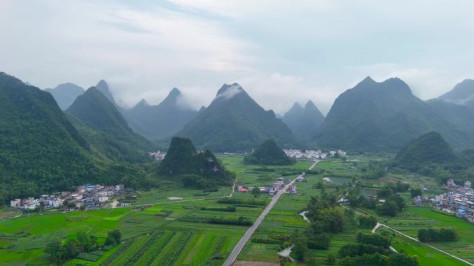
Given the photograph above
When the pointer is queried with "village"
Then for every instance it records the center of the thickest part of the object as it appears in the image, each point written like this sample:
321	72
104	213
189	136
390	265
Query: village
313	154
458	200
85	197
275	187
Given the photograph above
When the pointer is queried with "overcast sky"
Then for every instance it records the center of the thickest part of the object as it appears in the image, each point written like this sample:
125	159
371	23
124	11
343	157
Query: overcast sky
280	51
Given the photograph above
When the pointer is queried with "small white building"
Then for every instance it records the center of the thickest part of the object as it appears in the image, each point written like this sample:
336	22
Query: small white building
103	199
467	184
15	203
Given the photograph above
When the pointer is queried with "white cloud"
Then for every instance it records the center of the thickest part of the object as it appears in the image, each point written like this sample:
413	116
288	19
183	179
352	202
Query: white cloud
280	51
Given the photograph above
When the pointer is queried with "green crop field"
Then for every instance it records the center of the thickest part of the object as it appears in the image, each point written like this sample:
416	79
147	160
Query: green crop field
157	230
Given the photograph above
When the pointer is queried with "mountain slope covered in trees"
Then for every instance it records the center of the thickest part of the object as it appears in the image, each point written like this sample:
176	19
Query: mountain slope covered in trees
195	169
384	116
235	122
40	150
268	153
112	135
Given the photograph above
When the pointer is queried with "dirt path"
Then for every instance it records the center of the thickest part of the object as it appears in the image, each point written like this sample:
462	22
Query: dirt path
416	240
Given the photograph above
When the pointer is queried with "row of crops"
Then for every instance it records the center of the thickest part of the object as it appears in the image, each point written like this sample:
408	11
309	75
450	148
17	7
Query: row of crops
166	247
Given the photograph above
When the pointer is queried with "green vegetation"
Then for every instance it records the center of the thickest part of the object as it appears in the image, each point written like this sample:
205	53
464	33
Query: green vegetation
198	170
112	135
385	116
40	151
427	151
177	232
235	122
268	153
437	235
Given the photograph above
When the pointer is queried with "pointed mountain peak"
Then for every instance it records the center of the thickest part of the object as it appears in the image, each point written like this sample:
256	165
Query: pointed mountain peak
310	104
296	107
367	80
462	93
143	102
103	87
102	84
172	97
229	91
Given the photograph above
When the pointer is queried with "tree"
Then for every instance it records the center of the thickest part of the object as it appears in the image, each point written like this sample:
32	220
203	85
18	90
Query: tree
55	251
415	192
331	260
113	237
71	249
256	192
300	246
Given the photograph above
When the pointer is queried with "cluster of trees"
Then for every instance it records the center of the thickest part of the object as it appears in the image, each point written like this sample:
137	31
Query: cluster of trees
268	153
326	218
437	235
60	252
373	249
393	204
196	169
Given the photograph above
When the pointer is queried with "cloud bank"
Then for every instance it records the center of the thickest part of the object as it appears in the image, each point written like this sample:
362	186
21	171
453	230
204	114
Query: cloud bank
278	50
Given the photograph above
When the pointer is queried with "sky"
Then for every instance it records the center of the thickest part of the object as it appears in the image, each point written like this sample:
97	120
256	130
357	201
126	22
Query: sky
279	51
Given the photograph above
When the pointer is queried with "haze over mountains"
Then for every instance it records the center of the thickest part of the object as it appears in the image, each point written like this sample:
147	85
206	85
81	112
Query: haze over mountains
303	121
162	120
65	94
235	122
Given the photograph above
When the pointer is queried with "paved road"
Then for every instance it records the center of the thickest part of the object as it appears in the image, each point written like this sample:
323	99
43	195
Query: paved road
238	248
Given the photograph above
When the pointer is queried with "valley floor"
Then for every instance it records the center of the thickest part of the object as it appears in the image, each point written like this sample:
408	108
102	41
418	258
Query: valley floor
157	230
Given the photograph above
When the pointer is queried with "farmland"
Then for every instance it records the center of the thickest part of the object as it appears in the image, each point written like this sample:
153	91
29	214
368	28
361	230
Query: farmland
155	229
197	229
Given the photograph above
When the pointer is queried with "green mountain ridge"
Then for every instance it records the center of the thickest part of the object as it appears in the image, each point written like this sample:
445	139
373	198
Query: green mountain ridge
383	116
235	122
268	153
94	111
40	150
197	169
428	149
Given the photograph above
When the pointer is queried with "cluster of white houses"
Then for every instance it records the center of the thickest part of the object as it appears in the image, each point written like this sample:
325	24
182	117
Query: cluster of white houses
275	187
312	154
87	196
158	155
458	199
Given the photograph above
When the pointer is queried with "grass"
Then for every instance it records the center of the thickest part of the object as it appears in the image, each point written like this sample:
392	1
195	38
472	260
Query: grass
154	233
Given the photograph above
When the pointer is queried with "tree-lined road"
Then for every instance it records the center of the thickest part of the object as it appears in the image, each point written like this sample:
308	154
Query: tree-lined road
238	248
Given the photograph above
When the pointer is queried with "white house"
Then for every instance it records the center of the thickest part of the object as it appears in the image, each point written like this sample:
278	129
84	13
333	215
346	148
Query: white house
15	203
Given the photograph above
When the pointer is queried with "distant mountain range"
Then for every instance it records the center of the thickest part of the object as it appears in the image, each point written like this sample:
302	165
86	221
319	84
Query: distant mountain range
384	116
65	94
162	120
461	94
110	130
235	122
303	121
